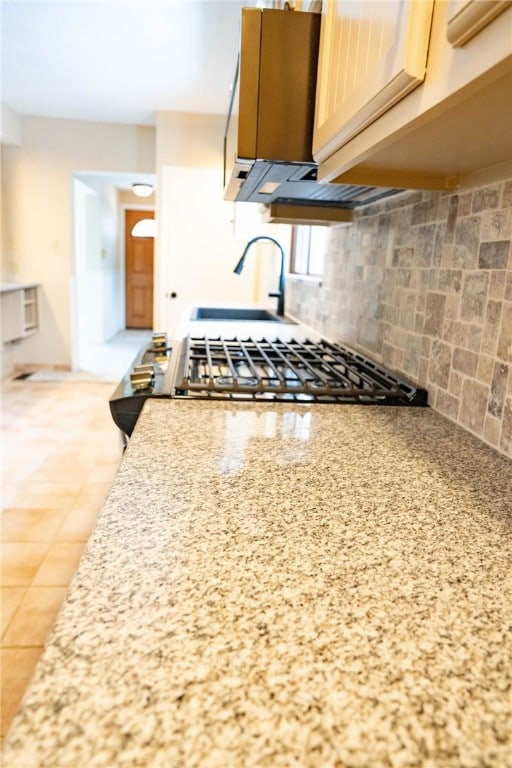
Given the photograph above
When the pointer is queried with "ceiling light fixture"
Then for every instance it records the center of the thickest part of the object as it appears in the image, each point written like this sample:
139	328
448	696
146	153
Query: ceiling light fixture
142	190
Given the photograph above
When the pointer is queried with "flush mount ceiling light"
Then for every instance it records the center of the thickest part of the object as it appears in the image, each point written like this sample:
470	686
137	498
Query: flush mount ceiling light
142	190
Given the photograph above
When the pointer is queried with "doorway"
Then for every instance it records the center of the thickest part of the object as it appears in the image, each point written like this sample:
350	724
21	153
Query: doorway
139	255
99	277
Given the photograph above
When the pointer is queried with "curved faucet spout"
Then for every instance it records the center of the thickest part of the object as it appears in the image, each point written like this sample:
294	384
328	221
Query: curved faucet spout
279	294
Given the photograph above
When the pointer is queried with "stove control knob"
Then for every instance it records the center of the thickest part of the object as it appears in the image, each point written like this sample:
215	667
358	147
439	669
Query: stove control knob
159	340
140	380
144	368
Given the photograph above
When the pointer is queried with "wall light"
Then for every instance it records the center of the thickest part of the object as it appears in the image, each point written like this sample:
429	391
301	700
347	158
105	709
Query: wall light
142	190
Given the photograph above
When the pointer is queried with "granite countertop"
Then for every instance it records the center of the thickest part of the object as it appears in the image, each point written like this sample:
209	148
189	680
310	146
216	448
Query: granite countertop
282	585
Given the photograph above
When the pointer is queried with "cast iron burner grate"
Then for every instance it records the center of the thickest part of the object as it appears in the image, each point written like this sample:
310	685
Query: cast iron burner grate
310	371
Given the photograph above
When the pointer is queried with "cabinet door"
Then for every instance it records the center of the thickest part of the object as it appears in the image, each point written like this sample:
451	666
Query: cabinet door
18	314
13	326
30	311
372	54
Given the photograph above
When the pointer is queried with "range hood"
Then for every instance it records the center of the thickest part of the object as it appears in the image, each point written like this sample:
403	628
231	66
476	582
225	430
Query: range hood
269	130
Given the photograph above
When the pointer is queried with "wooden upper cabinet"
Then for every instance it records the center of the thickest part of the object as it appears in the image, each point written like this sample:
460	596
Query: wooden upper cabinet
414	94
372	54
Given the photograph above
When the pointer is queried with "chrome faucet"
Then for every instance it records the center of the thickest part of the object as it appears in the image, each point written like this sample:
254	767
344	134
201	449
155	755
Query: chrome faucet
279	294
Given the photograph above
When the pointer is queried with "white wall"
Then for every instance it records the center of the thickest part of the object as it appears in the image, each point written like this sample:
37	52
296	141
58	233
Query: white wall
198	241
198	250
11	130
86	240
107	261
37	212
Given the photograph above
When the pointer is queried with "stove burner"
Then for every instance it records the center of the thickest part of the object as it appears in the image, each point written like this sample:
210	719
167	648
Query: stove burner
320	384
241	381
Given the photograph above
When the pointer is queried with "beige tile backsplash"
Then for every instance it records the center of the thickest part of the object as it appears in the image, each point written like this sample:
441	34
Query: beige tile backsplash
422	282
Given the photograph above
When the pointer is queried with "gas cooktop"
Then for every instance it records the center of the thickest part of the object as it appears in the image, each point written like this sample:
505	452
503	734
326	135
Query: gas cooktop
250	369
307	371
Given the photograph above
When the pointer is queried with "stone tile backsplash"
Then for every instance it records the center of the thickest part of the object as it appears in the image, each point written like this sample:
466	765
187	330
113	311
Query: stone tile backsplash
422	282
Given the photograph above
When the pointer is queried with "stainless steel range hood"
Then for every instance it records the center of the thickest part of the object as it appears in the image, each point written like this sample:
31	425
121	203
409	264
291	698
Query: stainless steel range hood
269	130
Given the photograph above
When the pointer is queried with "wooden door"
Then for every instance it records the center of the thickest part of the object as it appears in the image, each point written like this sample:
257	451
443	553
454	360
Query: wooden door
139	273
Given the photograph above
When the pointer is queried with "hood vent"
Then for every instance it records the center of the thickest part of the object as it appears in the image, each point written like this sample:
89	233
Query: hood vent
269	130
271	181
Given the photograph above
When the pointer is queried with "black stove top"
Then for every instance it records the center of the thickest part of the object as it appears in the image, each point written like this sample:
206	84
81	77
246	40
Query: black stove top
307	371
249	369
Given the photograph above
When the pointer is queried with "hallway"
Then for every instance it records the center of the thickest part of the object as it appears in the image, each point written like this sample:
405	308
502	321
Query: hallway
60	453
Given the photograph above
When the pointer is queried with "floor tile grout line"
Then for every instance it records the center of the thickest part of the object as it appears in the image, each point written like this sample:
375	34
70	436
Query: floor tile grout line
17	646
4	632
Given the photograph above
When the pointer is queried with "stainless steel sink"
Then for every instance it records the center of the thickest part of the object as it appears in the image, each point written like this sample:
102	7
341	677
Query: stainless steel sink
238	314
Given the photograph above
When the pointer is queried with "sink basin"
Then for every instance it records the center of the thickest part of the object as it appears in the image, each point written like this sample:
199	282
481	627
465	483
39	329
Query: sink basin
237	314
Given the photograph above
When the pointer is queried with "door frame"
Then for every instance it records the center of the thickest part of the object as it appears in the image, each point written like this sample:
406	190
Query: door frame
80	192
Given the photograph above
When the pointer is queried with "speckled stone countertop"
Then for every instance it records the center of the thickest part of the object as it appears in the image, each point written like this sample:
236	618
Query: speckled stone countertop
277	585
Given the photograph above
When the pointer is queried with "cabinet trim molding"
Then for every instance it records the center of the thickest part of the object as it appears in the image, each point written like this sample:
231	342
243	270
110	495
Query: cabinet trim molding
399	87
471	18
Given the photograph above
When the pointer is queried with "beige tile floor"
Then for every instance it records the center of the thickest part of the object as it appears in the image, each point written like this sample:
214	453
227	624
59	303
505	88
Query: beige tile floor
60	451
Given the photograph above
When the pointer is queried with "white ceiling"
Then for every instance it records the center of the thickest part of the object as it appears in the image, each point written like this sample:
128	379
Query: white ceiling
118	60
